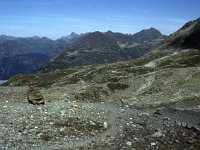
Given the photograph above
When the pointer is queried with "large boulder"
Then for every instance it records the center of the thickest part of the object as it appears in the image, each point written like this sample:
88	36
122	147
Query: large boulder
34	96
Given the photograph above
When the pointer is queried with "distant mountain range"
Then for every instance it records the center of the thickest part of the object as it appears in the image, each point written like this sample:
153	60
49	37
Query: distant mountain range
10	46
73	50
25	55
98	47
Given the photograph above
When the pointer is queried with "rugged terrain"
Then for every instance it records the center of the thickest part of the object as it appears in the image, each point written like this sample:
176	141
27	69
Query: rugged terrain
104	47
65	124
25	55
148	103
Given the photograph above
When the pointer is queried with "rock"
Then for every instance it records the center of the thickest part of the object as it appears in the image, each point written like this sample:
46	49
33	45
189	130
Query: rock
183	124
195	129
177	141
143	124
189	126
34	96
158	112
122	110
153	144
166	118
92	123
190	140
186	125
144	114
157	134
40	134
129	143
105	125
62	112
62	129
124	101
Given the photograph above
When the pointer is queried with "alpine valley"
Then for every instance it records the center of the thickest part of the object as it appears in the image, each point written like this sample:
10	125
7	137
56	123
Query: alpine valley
106	91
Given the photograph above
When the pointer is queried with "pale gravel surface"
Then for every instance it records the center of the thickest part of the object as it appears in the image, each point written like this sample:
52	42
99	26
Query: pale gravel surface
65	124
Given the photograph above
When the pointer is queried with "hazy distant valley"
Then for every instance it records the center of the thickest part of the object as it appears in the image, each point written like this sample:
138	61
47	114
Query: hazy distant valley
25	55
103	91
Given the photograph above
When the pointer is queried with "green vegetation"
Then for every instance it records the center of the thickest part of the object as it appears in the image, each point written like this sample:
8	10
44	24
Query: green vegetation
92	93
186	58
117	86
103	74
41	80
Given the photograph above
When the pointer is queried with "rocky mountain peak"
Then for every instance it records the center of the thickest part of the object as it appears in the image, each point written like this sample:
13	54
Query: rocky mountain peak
147	35
92	40
72	35
35	37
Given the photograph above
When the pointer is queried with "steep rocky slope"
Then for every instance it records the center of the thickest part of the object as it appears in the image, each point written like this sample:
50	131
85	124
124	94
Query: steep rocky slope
186	37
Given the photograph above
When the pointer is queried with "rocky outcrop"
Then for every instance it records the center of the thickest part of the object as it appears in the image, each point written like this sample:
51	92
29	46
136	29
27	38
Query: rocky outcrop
34	96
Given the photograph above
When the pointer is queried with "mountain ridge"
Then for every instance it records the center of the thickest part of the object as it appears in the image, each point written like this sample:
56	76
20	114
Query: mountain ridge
186	37
104	47
13	49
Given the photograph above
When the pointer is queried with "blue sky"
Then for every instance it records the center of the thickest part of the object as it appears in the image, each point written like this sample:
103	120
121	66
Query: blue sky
56	18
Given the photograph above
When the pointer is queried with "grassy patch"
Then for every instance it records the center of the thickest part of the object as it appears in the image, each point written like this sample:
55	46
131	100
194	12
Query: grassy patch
187	58
92	93
42	79
117	86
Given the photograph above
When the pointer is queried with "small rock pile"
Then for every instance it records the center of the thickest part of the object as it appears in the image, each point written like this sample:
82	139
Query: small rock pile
34	96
